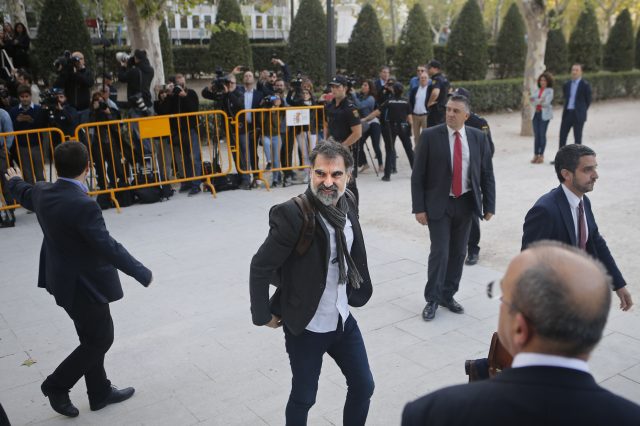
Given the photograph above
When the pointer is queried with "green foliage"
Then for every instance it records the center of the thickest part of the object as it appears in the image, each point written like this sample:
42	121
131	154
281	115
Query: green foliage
414	47
510	45
165	48
229	44
61	28
556	56
366	52
467	57
307	40
262	52
619	50
638	49
584	43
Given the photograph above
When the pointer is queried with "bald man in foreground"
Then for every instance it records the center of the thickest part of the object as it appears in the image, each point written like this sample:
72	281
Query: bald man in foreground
554	305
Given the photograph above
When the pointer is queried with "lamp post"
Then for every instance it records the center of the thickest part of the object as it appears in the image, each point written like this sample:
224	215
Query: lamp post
331	41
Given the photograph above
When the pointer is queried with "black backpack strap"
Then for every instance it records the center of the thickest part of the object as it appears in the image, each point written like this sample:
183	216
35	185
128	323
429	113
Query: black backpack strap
308	224
352	198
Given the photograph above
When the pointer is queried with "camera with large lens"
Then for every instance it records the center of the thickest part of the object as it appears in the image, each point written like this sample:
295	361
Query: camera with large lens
48	99
103	106
296	83
177	89
137	101
122	57
352	80
219	84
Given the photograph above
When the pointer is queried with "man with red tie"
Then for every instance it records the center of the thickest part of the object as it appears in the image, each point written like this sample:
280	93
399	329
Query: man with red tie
564	214
452	180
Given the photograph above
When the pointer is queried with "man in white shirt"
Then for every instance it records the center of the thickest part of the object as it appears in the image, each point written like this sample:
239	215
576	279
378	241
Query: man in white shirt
418	100
554	305
319	271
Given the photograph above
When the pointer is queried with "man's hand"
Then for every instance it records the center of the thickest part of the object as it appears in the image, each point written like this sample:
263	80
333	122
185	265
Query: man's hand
24	117
275	322
13	172
183	92
422	218
488	216
625	298
237	69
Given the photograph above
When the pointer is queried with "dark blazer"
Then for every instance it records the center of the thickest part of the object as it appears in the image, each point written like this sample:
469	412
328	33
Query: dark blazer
527	396
258	96
583	98
550	219
302	278
412	98
77	249
432	172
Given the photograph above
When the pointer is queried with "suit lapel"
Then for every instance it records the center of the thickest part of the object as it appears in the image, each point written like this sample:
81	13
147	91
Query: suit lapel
446	148
565	212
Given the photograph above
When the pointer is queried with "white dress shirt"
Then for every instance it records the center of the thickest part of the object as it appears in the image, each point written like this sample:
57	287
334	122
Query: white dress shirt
532	359
421	97
466	178
333	303
574	200
248	102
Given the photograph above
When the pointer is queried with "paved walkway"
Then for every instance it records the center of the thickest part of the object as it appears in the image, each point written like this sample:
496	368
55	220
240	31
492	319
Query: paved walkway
187	343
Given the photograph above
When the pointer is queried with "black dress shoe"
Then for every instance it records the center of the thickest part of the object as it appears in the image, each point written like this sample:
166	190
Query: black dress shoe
116	395
472	259
61	403
453	306
429	311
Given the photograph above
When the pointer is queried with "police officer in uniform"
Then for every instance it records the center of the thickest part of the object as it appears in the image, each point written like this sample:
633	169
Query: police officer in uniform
342	123
474	120
437	94
396	115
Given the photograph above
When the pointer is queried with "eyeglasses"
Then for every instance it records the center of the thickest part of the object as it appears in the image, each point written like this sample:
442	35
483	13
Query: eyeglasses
494	292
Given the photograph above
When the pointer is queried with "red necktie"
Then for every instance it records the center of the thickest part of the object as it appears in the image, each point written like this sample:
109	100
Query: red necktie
582	229
456	181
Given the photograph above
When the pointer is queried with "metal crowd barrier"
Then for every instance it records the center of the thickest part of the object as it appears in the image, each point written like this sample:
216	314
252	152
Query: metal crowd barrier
137	153
32	152
266	137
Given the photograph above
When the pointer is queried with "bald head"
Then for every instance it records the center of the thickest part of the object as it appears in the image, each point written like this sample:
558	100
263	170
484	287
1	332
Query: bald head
563	294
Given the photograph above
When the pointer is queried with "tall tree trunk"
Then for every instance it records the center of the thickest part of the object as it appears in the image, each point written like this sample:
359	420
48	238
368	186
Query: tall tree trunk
496	20
144	34
537	28
17	12
392	14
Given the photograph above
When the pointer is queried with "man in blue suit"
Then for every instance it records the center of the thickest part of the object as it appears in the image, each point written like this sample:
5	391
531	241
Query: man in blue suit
79	264
565	215
250	125
577	98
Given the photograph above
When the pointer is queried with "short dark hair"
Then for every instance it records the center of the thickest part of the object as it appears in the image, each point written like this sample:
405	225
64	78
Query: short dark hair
568	157
463	99
23	88
547	76
541	295
71	159
331	149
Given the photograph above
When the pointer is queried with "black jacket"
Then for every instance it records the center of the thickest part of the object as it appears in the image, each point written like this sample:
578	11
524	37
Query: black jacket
77	87
138	78
77	249
302	278
527	396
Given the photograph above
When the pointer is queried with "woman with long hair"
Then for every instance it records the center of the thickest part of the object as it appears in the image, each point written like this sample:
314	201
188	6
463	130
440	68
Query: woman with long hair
541	100
365	101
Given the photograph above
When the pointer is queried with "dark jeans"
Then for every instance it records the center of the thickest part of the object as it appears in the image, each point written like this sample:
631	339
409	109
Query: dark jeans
347	349
449	235
570	120
95	329
247	148
396	129
539	133
474	236
374	133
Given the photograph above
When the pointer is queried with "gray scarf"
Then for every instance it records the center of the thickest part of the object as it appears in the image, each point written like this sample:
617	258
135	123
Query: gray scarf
337	217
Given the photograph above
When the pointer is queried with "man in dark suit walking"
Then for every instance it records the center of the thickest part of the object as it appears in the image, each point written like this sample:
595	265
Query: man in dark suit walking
315	254
565	215
452	180
554	305
577	98
78	266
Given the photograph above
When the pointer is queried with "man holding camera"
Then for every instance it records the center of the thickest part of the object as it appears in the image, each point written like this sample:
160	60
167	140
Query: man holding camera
137	72
61	115
268	84
76	79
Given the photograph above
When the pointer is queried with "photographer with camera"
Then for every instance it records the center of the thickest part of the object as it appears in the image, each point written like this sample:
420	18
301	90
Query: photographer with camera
396	113
137	72
268	78
76	79
184	131
60	114
28	116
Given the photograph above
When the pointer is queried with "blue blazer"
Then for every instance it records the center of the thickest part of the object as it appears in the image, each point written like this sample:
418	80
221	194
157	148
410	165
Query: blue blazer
77	251
550	219
583	98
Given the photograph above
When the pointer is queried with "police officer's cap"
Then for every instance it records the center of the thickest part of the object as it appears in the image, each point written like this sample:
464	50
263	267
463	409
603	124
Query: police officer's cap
339	80
434	64
461	91
57	91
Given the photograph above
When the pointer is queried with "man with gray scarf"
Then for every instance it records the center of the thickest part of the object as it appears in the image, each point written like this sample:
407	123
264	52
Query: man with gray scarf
315	255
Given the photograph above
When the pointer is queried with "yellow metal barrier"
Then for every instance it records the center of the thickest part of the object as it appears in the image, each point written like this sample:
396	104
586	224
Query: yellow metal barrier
32	152
278	131
154	151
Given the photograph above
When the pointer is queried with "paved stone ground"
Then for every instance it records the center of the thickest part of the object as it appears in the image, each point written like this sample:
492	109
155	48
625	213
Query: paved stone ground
187	343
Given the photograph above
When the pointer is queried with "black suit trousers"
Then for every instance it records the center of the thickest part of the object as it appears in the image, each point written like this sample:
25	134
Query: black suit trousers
569	120
449	235
95	329
474	235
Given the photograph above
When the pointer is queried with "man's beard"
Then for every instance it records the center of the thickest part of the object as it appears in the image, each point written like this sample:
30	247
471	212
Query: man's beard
326	199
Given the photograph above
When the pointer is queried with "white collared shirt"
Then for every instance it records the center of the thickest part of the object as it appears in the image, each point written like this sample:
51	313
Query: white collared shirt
421	97
466	179
574	200
248	102
532	359
333	303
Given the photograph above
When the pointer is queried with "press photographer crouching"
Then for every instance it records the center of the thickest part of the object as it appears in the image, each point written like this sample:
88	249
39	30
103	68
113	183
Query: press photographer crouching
76	79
